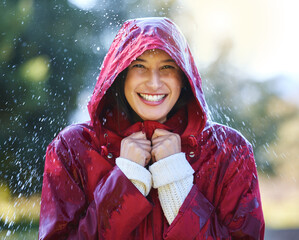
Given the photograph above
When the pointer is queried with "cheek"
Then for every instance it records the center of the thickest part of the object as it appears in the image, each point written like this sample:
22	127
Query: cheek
126	90
128	86
129	90
178	86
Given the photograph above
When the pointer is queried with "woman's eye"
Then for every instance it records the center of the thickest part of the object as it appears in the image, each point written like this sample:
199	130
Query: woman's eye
167	67
138	66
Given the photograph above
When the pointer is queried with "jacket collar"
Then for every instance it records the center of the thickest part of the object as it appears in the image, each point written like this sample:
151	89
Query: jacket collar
176	124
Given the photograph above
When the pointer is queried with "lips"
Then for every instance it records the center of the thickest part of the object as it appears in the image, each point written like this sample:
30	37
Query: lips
152	99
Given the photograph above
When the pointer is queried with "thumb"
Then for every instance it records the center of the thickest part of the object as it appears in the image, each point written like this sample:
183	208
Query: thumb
138	135
159	132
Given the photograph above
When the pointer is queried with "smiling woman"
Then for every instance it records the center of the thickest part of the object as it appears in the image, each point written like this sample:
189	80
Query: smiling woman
153	85
150	164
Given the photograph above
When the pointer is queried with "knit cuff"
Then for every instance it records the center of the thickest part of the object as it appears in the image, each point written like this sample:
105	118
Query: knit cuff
136	173
170	169
173	195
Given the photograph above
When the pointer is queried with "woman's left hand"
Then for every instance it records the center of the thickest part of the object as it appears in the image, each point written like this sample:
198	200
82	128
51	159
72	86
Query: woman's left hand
164	144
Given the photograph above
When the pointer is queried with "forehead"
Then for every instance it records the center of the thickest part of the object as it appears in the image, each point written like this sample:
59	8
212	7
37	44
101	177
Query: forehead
155	53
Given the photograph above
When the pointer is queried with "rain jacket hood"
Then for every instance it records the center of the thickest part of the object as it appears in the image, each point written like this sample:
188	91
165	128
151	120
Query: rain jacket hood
135	37
85	195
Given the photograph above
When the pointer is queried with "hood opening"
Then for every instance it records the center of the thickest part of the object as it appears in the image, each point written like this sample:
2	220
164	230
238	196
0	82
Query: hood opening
115	103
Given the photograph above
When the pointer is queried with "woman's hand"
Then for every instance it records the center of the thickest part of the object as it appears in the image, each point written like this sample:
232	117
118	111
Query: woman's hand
136	148
164	144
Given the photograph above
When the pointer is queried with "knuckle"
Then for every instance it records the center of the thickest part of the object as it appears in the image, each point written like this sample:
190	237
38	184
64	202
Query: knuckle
131	144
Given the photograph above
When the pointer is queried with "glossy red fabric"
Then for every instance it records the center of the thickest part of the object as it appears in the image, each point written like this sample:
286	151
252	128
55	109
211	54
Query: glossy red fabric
86	196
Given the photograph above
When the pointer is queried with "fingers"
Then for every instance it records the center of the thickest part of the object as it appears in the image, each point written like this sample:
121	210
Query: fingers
136	148
139	138
138	135
142	141
136	143
159	139
153	155
156	149
172	137
164	144
160	132
140	150
148	158
146	147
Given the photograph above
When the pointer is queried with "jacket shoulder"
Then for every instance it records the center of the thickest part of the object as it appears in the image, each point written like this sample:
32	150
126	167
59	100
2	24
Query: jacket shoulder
74	134
227	135
230	145
233	151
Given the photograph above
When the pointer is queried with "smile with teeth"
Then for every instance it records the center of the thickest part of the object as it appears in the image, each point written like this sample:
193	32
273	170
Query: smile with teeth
152	98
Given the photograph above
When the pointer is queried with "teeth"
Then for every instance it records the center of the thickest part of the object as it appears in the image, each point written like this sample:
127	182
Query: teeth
152	98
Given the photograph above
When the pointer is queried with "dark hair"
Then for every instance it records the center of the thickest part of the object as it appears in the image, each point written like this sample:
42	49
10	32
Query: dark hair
116	96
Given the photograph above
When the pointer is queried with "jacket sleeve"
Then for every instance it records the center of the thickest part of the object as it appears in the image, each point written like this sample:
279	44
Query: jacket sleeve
117	209
238	213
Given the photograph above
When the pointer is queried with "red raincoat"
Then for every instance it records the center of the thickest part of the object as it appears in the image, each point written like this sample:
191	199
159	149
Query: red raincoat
86	196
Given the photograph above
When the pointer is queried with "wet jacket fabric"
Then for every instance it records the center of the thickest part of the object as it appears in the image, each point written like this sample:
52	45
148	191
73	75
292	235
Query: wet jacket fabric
86	196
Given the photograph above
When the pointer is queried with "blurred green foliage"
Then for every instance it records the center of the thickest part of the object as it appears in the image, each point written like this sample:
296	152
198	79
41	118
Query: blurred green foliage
41	74
17	235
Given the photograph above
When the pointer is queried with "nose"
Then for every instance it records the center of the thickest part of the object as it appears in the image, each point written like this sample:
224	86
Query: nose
154	82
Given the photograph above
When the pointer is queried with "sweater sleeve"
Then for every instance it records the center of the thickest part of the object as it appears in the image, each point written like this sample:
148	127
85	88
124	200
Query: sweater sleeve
139	176
173	176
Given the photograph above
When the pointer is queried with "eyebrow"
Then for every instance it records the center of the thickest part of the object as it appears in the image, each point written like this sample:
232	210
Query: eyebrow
142	60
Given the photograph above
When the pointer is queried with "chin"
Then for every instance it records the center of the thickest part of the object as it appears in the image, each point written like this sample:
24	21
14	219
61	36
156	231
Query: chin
154	118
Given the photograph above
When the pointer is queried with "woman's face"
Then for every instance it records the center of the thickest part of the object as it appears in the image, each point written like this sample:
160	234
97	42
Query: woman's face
153	85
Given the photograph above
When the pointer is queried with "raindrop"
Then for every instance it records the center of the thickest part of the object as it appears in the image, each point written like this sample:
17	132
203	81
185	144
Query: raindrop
104	121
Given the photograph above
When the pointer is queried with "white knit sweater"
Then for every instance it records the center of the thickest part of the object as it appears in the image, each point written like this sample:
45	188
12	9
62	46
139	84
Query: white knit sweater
173	176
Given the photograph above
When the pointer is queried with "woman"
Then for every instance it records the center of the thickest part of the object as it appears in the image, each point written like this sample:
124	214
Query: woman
150	164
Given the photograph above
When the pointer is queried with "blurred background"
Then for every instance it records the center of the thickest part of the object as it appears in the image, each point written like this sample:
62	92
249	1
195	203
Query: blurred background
50	56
